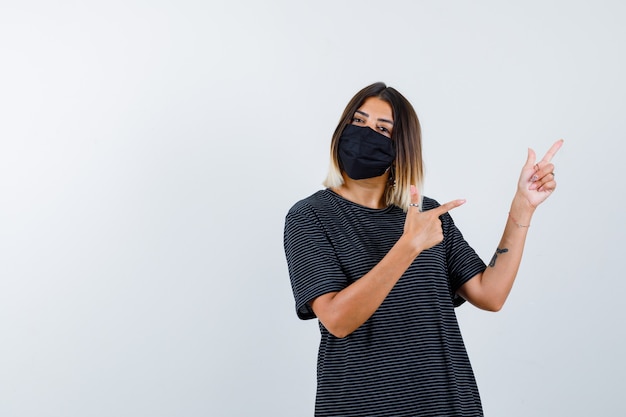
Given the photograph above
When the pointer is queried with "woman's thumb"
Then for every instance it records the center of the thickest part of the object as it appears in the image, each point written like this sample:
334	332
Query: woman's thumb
530	161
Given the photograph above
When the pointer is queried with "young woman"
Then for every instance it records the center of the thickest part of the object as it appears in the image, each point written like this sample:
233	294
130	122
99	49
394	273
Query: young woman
383	268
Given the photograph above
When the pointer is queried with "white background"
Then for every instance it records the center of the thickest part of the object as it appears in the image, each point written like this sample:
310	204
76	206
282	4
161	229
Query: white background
149	151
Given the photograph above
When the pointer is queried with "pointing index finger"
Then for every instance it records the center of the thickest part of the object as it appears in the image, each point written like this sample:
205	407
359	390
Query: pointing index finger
444	208
553	150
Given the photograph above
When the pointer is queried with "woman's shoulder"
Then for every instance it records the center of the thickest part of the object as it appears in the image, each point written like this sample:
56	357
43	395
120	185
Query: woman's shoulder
429	203
315	201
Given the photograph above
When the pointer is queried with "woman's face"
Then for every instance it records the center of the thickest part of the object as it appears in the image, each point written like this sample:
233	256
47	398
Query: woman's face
375	114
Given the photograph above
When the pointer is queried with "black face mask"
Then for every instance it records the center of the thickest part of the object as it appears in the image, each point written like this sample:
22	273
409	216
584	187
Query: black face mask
365	153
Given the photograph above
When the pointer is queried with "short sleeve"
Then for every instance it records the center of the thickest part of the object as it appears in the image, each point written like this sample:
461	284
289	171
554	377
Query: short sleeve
314	269
463	262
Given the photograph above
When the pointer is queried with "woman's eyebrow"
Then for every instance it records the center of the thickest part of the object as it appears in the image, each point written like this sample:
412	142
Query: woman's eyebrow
379	119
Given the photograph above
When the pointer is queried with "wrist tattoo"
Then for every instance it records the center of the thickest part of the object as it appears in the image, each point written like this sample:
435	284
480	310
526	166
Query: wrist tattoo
492	263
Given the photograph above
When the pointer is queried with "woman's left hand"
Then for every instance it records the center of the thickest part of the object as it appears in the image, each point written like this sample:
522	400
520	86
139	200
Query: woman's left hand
536	181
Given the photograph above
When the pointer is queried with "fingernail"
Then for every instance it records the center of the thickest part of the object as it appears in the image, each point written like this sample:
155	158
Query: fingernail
534	178
532	186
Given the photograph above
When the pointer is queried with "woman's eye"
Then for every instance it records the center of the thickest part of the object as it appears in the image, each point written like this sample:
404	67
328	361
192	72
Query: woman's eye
357	120
383	129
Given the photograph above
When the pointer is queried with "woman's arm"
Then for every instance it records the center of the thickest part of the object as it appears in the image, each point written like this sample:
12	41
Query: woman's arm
344	311
490	289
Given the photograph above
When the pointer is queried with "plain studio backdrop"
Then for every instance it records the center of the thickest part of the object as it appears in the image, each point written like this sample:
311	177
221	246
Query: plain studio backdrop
149	151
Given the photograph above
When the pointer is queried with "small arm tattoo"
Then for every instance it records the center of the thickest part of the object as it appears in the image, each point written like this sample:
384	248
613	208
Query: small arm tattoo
492	263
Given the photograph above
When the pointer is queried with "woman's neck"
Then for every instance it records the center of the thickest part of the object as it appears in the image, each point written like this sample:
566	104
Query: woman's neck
369	192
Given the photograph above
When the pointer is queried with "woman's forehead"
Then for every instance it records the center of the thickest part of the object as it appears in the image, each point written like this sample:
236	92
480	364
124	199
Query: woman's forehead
377	108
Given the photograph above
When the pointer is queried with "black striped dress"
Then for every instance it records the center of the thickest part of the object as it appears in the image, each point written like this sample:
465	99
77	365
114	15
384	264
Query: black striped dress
408	359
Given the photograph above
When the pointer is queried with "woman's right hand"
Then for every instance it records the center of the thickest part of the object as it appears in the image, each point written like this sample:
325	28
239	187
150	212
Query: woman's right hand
423	228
